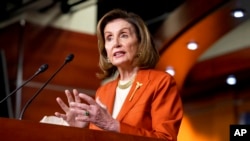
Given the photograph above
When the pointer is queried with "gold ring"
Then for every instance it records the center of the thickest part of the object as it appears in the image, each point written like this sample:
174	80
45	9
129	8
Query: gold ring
86	113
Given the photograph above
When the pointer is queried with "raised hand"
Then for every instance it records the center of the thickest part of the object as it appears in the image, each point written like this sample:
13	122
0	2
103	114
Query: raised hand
70	115
96	113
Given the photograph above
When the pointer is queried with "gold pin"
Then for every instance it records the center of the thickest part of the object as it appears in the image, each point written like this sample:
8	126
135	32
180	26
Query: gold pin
138	85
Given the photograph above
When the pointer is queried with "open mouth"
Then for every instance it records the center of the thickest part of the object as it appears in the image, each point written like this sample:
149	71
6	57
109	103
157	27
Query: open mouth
119	53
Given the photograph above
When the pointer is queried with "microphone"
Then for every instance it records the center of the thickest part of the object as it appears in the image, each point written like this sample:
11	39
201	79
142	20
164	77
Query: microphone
69	58
42	68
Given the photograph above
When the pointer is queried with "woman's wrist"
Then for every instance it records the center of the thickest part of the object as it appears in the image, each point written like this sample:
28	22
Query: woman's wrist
114	126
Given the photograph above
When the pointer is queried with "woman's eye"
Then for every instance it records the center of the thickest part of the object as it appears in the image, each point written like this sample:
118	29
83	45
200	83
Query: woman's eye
108	38
124	35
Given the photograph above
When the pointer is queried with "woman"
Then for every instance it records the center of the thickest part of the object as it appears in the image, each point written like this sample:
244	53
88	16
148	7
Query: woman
139	100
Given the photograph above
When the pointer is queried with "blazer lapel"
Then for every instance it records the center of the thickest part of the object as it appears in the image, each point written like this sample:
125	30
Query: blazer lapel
137	89
109	99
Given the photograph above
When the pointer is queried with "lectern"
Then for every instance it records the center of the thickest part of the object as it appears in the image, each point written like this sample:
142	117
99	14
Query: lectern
24	130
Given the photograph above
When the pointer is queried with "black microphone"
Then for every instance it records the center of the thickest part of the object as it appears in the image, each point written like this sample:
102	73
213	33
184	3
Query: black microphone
42	68
69	58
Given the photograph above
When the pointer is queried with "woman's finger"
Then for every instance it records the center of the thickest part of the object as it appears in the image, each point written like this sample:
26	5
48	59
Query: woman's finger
81	106
88	99
63	116
69	96
76	95
62	104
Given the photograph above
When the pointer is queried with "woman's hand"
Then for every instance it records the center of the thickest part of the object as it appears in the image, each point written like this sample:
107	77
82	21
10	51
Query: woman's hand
70	115
97	113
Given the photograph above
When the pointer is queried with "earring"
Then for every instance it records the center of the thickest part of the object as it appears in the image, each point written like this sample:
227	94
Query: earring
139	54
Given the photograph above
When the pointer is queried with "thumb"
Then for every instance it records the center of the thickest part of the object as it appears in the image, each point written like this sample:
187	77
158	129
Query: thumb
100	103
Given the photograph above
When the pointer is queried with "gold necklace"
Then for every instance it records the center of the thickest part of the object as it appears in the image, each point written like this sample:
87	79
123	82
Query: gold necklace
126	85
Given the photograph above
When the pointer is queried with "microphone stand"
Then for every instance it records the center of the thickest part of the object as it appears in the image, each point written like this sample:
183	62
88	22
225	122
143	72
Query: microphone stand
68	59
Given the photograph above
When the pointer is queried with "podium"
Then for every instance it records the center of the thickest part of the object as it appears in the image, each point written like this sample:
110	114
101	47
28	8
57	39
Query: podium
25	130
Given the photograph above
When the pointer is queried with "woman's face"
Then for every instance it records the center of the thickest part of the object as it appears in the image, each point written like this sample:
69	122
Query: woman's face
121	42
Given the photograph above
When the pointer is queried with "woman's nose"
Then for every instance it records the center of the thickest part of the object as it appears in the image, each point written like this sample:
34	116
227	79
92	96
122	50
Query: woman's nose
117	42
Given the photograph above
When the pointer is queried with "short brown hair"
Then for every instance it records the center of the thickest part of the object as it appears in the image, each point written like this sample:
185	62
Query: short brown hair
148	55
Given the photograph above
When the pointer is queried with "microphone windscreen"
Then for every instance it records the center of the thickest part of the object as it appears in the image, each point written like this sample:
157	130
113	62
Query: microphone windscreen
69	58
43	68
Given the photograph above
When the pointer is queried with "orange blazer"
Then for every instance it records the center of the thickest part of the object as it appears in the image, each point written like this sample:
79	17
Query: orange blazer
153	107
